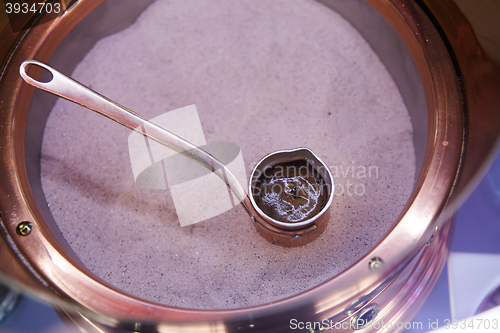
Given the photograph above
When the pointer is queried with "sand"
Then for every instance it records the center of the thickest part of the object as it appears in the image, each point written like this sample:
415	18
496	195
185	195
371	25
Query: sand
257	71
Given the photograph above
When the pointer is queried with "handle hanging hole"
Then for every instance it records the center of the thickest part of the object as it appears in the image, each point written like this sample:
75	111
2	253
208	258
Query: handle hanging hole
35	70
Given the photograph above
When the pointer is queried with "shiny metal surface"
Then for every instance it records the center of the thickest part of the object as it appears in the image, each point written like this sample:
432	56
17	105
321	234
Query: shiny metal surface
297	233
478	70
65	87
454	135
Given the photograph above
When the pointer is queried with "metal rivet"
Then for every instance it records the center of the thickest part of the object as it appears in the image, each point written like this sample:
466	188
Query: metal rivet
24	228
375	263
252	218
357	304
365	316
297	236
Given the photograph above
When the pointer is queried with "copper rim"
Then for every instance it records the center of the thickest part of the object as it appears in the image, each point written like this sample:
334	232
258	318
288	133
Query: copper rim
42	264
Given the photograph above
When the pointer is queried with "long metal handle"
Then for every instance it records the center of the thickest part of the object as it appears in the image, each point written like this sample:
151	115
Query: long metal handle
67	88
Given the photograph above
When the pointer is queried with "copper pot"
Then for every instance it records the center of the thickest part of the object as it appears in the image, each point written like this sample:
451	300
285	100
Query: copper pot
448	83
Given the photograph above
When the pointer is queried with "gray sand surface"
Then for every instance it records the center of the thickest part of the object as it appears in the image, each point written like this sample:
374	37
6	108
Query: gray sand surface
266	75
